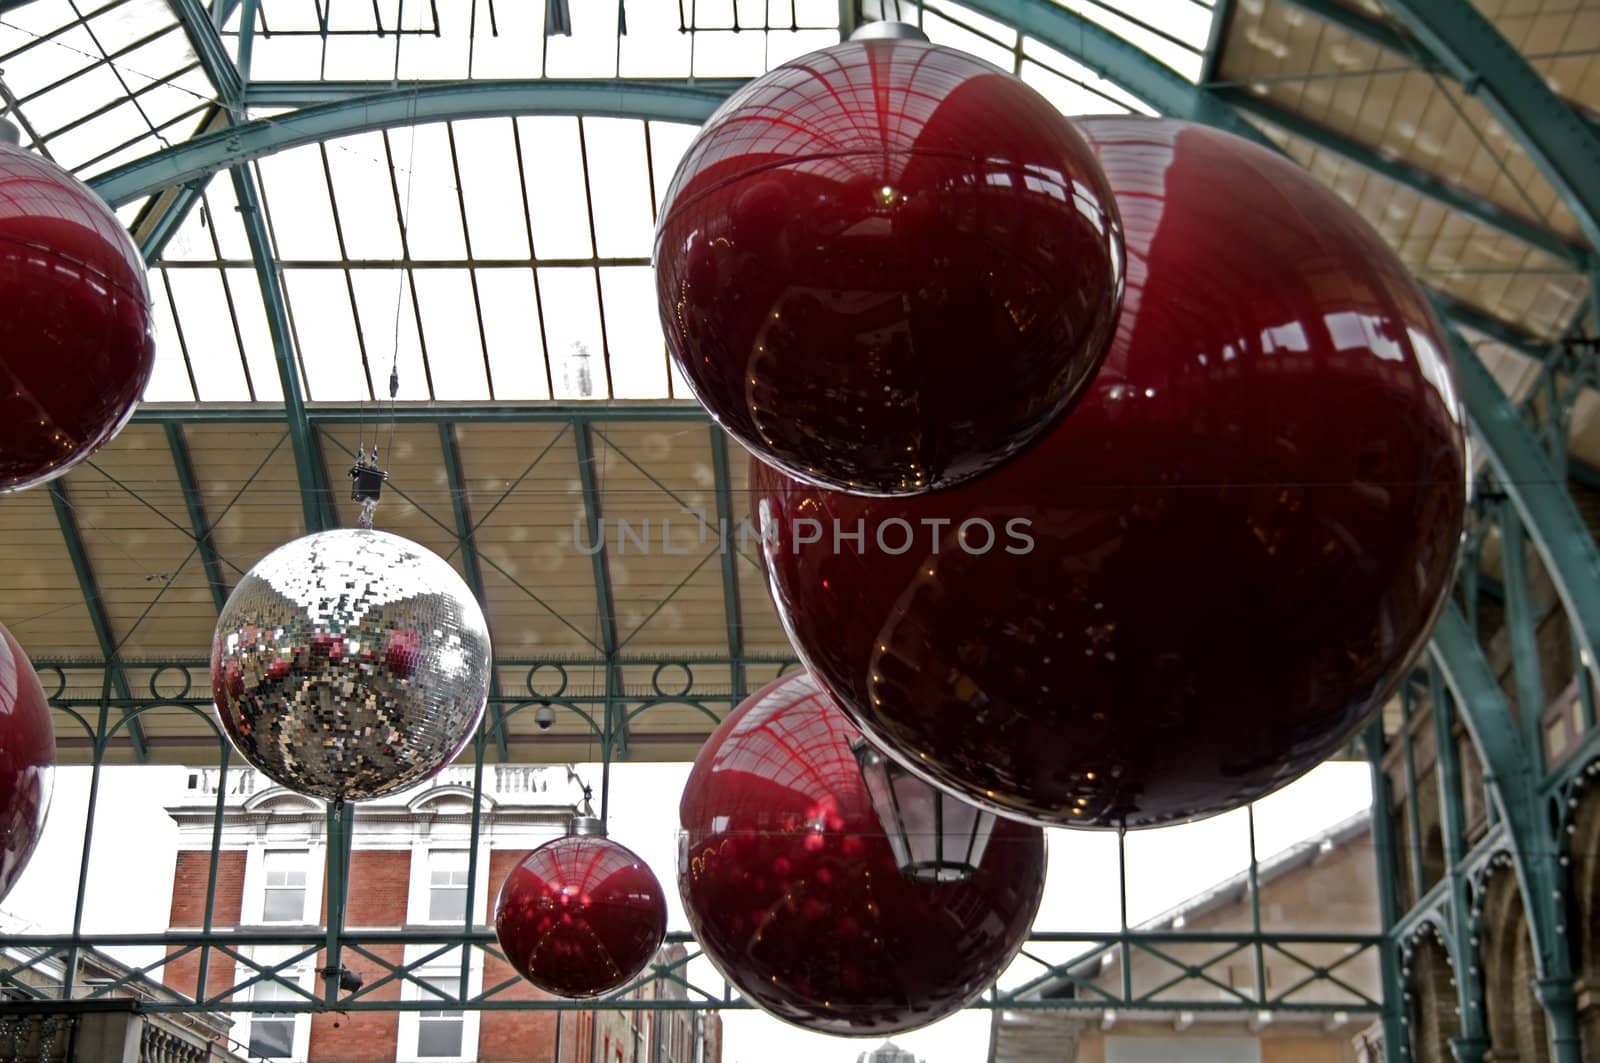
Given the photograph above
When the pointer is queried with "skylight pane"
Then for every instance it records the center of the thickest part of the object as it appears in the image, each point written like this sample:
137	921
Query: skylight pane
223	220
492	190
1069	97
326	334
511	329
376	294
360	56
815	13
66	103
258	352
441	54
633	332
297	199
120	26
556	202
653	47
572	333
1054	60
450	332
192	241
41	63
782	47
515	52
1185	60
169	382
713	14
285	58
591	51
208	332
668	142
80	145
726	54
944	31
619	180
428	196
361	191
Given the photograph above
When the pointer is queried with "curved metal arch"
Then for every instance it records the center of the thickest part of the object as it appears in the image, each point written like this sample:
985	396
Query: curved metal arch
1511	774
662	101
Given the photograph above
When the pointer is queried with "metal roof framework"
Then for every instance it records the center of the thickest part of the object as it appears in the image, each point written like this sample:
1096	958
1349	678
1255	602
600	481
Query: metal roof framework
1458	130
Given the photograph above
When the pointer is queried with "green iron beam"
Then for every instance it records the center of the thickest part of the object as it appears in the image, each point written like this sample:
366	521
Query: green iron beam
72	536
213	54
179	446
1453	820
1421	181
315	501
727	544
662	101
605	609
469	563
1539	493
164	216
1515	786
300	94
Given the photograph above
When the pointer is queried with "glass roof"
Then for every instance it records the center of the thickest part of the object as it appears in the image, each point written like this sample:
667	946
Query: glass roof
508	258
498	258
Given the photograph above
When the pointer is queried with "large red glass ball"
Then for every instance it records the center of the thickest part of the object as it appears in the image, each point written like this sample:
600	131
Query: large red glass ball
794	894
888	266
76	348
1207	577
580	916
27	760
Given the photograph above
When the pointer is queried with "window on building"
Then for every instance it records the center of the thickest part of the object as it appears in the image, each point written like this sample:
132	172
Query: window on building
447	886
285	879
441	1031
272	1034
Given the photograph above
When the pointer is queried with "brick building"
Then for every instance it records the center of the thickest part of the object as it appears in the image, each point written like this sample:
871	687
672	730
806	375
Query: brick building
408	870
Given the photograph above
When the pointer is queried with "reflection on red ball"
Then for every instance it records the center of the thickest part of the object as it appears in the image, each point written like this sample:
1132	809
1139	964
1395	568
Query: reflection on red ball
888	266
794	894
403	652
75	344
580	916
1210	574
27	760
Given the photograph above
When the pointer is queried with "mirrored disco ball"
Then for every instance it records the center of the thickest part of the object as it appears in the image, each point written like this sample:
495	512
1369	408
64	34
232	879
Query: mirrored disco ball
350	664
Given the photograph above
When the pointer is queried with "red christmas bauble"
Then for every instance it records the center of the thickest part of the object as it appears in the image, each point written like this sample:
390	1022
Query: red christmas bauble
888	266
27	760
1208	577
580	916
76	348
794	894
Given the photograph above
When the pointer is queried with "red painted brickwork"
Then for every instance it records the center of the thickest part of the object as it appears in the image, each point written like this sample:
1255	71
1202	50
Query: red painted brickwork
363	1036
513	1036
189	911
380	886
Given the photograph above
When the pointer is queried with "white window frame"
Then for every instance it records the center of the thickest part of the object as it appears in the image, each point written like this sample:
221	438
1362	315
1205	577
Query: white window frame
464	860
253	907
302	857
443	968
420	894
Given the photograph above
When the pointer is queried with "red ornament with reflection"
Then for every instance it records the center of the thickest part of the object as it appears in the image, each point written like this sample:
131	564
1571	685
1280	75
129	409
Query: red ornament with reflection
888	266
580	916
793	892
76	348
27	760
1209	576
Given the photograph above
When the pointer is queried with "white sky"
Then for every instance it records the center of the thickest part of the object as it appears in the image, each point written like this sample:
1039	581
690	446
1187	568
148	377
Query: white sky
131	868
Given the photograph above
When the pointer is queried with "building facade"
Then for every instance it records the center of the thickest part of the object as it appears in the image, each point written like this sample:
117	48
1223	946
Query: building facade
409	869
1326	884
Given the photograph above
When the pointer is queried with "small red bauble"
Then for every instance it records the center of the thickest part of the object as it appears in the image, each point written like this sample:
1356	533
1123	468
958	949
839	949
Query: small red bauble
1208	577
76	348
27	760
581	915
888	266
792	889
